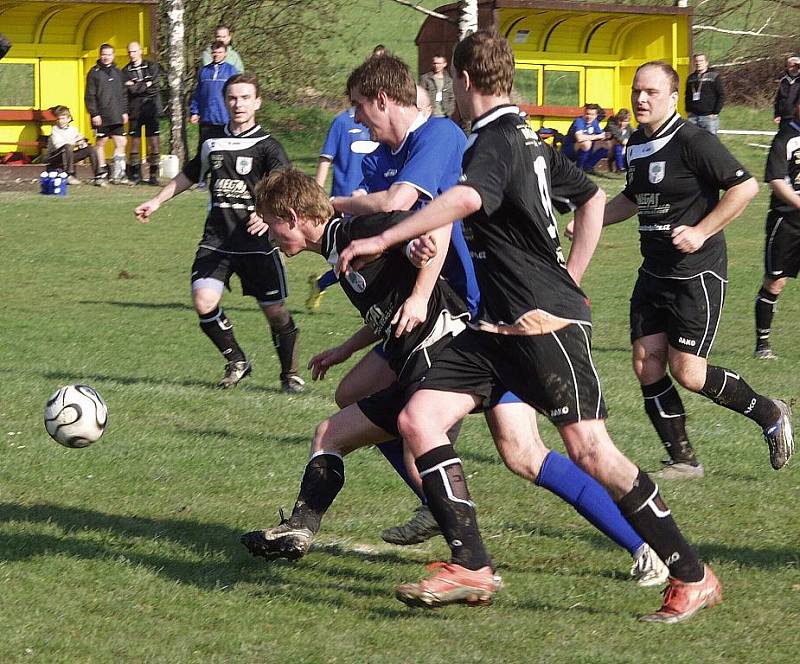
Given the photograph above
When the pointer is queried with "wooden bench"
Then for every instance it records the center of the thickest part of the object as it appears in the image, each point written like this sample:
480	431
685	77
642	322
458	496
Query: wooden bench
39	116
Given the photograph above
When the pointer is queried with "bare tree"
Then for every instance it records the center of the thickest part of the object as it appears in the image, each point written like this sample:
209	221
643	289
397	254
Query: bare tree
175	76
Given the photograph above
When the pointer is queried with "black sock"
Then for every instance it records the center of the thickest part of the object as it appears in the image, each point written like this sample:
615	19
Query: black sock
322	481
765	309
729	389
648	514
219	329
134	165
284	338
445	488
664	407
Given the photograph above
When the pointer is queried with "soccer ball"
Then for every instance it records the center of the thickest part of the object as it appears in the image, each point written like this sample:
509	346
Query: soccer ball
75	416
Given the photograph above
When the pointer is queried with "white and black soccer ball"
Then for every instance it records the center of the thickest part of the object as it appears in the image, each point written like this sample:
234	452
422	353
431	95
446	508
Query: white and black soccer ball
75	416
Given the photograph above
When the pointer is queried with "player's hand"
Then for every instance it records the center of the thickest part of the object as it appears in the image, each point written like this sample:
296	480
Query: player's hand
569	229
421	250
360	252
97	121
124	118
412	313
194	119
130	83
256	225
687	239
147	208
320	363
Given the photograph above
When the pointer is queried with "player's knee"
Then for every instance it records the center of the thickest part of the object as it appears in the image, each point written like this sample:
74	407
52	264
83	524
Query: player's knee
344	395
689	377
775	286
277	314
204	302
409	425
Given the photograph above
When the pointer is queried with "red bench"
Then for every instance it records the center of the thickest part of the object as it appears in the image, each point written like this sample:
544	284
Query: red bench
39	116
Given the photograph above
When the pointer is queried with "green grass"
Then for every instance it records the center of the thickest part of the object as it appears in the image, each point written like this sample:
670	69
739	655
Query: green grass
128	551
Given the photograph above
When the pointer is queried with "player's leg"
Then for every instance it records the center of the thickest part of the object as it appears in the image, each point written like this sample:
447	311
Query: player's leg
135	157
210	272
153	152
515	433
101	173
692	328
284	334
649	321
323	478
118	166
583	150
317	285
766	305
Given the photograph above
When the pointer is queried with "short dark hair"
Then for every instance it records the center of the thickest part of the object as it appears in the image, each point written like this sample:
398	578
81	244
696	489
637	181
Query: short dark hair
623	114
222	26
591	107
291	189
61	110
666	68
244	77
488	59
103	47
218	44
387	73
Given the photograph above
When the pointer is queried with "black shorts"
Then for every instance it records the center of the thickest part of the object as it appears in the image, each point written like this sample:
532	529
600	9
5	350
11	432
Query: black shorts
382	408
109	130
262	275
553	373
150	124
782	247
687	310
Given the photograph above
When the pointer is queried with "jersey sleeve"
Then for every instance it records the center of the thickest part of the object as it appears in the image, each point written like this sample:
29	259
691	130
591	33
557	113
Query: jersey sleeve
275	156
192	167
711	161
330	148
431	157
487	169
777	167
570	188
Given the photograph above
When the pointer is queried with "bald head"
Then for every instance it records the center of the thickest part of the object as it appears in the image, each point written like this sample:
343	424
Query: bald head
424	105
135	52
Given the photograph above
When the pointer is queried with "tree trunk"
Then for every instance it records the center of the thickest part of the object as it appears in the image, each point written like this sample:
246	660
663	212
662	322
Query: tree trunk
175	77
468	19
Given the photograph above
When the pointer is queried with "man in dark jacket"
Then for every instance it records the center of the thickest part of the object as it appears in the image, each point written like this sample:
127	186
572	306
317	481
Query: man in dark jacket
107	103
144	109
208	105
788	91
439	86
704	95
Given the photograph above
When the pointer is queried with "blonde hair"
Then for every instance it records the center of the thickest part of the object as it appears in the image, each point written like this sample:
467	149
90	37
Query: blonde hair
291	189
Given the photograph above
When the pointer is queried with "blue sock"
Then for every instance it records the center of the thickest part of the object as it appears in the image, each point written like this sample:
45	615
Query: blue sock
619	157
580	162
562	477
326	280
595	157
393	451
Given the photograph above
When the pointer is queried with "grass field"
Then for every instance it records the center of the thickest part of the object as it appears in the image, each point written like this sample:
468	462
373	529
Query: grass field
128	551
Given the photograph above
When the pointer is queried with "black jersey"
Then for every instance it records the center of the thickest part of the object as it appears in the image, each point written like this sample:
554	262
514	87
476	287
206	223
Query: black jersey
783	163
379	288
235	164
143	100
513	238
674	176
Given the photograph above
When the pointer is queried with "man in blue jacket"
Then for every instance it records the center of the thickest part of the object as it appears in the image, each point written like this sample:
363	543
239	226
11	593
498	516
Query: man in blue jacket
208	104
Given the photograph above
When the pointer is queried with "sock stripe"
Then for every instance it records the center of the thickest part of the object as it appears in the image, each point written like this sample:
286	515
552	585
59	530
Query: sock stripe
439	466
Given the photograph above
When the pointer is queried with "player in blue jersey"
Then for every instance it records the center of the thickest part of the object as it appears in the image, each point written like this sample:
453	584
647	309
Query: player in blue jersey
346	145
585	143
417	160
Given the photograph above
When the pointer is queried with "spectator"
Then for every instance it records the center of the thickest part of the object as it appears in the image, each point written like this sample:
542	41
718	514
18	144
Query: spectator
788	91
584	143
208	106
619	130
67	145
439	86
222	33
107	104
704	95
144	109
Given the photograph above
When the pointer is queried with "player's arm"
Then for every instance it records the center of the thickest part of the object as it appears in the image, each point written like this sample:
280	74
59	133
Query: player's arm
456	203
619	209
588	225
400	196
689	239
320	363
175	186
323	167
785	192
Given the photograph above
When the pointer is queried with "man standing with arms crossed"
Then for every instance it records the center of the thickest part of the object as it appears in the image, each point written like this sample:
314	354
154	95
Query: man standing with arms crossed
533	336
236	163
144	109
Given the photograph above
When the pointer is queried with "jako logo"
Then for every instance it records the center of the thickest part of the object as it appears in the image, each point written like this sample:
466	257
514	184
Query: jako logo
559	411
687	342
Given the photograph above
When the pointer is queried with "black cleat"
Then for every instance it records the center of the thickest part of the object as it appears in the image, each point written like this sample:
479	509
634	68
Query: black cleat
292	384
282	541
779	437
235	372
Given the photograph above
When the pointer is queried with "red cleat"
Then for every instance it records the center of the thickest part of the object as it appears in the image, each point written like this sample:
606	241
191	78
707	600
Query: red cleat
451	584
682	600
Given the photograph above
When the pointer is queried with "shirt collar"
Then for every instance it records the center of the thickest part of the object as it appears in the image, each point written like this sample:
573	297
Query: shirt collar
418	122
493	114
256	127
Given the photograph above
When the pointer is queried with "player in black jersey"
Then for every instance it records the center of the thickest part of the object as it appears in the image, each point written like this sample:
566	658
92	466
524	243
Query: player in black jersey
235	164
782	247
533	336
675	172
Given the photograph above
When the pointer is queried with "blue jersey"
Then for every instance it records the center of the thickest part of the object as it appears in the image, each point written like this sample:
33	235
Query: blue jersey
346	145
581	125
429	160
